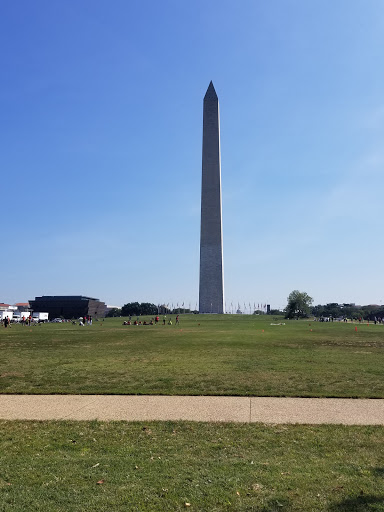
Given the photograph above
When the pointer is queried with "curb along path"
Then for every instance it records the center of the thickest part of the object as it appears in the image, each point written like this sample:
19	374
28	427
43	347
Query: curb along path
193	408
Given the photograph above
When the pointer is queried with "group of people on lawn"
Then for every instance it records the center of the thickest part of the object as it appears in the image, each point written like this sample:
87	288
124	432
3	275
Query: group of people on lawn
155	320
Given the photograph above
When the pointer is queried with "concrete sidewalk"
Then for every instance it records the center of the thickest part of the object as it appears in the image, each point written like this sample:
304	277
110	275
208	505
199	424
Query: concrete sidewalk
193	408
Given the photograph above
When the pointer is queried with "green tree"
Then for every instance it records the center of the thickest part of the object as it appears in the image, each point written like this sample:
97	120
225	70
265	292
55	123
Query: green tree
132	308
299	305
136	309
318	311
114	312
147	308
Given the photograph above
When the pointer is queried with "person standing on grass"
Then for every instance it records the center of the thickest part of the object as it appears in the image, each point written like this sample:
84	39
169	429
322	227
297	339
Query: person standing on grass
164	319
177	320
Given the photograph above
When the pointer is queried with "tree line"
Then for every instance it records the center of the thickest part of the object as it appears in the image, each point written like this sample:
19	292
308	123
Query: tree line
146	308
300	305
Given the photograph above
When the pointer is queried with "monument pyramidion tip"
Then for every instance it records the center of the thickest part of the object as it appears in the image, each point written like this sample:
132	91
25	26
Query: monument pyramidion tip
211	93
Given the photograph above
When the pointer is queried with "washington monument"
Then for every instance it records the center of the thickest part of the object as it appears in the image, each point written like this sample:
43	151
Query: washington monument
211	291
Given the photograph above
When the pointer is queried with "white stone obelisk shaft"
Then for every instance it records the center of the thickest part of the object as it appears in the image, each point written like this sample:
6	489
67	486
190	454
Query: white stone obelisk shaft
211	292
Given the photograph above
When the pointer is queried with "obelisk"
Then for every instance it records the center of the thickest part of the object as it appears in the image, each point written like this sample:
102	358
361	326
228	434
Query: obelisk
211	292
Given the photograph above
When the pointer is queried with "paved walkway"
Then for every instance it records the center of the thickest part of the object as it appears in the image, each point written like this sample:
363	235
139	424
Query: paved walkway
193	408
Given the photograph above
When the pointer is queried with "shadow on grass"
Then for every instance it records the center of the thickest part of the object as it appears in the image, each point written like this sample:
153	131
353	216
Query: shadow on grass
368	503
378	472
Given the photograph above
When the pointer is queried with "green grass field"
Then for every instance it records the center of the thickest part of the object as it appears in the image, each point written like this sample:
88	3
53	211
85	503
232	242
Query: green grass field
205	355
119	466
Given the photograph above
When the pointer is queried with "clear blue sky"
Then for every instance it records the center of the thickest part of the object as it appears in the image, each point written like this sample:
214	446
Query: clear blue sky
100	135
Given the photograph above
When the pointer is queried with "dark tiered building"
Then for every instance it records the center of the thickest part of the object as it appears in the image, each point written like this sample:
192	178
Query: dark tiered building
68	306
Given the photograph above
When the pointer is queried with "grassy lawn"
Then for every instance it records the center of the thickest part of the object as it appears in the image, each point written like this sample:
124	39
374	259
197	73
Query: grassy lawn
205	355
118	466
